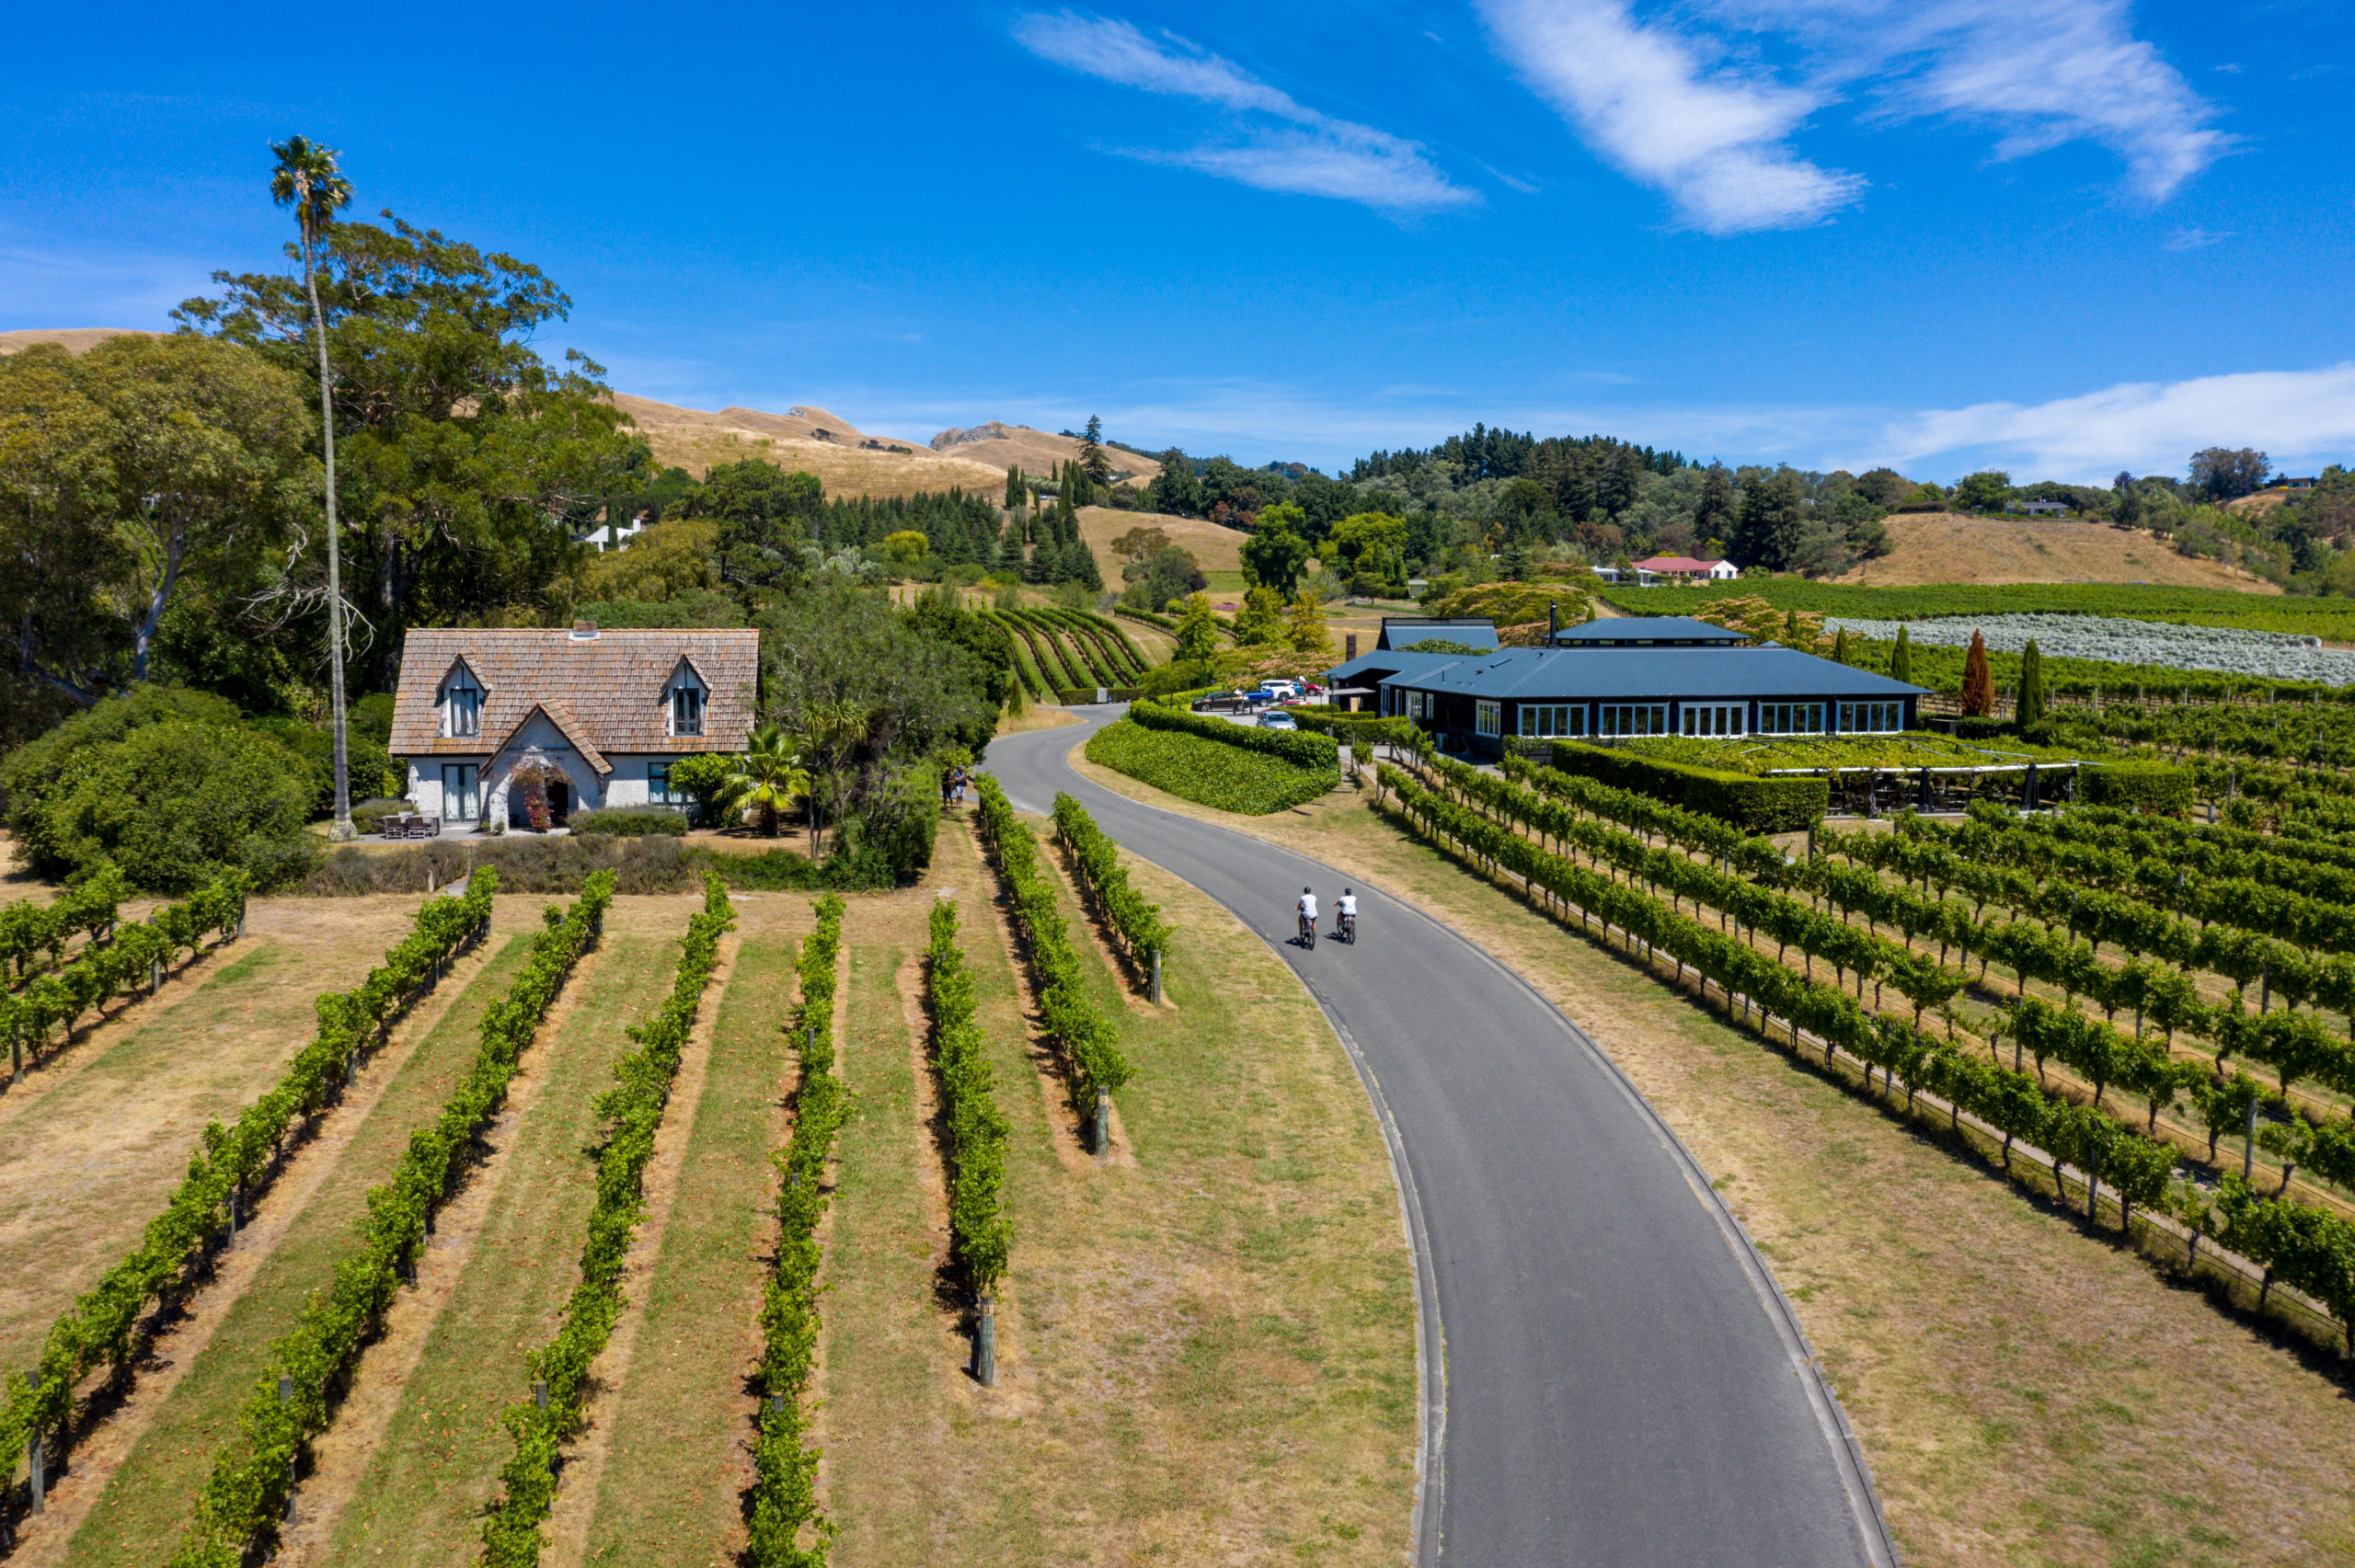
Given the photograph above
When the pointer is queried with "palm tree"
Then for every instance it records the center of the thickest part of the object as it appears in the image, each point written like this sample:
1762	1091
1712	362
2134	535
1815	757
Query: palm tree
306	179
768	777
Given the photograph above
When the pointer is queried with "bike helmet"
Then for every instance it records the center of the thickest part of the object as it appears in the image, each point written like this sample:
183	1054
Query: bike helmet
1306	889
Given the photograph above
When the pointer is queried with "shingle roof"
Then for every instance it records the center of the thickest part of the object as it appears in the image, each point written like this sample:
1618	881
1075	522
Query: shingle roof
604	693
1650	673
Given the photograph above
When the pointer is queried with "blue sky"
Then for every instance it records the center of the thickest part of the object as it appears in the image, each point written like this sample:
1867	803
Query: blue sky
2062	236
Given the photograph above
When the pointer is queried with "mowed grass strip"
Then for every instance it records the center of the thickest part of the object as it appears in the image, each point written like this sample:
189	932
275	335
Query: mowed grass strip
679	1426
421	1498
1206	1346
139	1517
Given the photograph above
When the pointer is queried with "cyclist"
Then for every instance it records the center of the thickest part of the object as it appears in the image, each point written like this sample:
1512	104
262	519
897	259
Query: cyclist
1346	909
1307	908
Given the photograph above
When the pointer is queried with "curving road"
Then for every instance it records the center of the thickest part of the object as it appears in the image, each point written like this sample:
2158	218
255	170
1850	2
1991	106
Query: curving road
1623	1383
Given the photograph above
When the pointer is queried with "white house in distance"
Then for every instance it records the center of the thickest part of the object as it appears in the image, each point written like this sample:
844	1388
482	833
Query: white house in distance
597	716
1684	568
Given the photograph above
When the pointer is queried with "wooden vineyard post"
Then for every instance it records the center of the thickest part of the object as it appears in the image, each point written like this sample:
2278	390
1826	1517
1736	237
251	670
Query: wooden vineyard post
33	1459
1103	1120
1156	977
985	1345
286	1396
2248	1149
540	1398
16	1052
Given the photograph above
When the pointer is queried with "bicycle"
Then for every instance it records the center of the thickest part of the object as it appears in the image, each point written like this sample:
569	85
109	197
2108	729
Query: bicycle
1346	930
1308	933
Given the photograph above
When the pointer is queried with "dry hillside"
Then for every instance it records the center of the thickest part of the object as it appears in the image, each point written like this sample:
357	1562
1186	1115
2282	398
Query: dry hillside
1037	452
75	339
811	440
1945	547
1215	549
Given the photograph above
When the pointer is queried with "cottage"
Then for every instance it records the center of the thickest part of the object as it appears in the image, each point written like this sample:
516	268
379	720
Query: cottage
589	717
1611	680
1686	569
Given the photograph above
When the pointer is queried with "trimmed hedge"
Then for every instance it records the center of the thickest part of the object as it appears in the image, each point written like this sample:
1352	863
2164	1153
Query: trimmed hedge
1202	770
1298	747
1077	696
1756	805
2136	786
631	821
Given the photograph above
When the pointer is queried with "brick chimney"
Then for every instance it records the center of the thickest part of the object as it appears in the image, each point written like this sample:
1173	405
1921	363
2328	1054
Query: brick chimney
584	631
1349	646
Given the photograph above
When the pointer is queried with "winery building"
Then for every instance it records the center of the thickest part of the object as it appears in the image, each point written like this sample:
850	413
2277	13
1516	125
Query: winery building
1623	678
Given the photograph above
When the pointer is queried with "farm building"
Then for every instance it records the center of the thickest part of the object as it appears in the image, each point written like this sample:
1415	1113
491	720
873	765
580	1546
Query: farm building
589	717
1687	568
1613	679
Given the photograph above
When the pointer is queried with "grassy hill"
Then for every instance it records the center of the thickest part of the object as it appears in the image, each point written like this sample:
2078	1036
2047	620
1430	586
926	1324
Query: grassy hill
1944	547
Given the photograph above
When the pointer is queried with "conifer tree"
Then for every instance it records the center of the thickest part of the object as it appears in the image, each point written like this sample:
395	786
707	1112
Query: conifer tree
2031	702
1901	657
1978	683
1016	491
1091	453
1840	646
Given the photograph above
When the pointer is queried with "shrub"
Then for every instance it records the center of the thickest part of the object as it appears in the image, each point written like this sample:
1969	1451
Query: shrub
703	778
1077	696
173	804
2138	786
897	826
1208	774
630	821
1297	747
368	815
44	768
1754	805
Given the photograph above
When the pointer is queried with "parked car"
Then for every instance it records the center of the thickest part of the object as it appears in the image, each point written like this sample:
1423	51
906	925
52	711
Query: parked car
1276	719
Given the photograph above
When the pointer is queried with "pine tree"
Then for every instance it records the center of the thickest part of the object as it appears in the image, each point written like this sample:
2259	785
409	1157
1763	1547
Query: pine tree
1901	657
2031	702
1840	646
1978	683
1713	517
1016	491
1091	453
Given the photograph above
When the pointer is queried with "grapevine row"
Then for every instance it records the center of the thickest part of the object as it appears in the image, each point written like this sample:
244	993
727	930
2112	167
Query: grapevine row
27	928
784	1473
1102	876
2305	1247
291	1403
101	1328
632	1110
1088	1040
978	1131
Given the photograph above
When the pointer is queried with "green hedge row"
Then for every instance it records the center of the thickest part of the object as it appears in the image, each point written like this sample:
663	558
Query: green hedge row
632	1110
102	1326
2138	786
784	1467
27	928
117	968
1089	1042
1298	747
978	1131
1205	771
246	1494
1077	696
2303	1246
1136	924
631	821
1758	804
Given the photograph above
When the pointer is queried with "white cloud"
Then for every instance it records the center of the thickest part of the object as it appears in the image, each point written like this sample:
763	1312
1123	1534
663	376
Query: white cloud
2195	239
1307	153
1659	97
1713	141
2299	416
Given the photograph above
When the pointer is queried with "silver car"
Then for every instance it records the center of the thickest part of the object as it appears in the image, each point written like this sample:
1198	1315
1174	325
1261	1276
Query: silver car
1276	720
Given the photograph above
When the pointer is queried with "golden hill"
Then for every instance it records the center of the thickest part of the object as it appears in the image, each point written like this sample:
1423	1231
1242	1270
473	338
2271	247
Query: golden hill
1036	452
74	339
1933	547
847	460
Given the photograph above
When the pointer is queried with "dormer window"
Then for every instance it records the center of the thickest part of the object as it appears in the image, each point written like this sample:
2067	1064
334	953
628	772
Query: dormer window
460	706
686	706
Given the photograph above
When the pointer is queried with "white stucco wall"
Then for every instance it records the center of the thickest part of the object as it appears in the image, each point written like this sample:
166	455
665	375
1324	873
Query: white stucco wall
625	785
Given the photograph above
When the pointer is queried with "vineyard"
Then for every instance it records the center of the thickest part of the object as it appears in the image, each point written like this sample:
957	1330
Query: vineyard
1062	655
1982	969
2333	620
562	1216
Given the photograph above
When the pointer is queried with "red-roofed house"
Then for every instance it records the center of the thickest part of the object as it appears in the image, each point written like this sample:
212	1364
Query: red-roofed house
1684	568
597	717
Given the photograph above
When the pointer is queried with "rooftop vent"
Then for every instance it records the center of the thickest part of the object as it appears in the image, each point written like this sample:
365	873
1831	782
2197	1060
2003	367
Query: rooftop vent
584	631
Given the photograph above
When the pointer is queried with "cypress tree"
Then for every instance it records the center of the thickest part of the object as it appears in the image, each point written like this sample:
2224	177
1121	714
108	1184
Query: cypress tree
1978	683
1015	491
2031	703
1839	645
1901	657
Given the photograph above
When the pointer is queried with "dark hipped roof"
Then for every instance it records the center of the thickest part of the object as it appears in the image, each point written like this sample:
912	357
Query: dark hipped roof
1654	630
1400	633
1379	665
1652	673
604	693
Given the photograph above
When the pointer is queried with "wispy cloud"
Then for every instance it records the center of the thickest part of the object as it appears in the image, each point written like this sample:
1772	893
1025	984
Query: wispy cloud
2148	427
1675	100
1276	143
2195	239
1646	101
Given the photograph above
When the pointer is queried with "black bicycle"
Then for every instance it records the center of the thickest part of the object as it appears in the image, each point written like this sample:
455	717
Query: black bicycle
1346	930
1308	932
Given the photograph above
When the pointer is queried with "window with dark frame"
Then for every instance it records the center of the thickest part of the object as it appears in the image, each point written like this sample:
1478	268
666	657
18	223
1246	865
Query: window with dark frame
687	709
461	706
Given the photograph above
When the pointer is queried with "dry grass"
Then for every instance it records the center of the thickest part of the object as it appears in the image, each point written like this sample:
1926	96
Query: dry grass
1215	549
1204	1356
1036	716
1946	547
2027	1391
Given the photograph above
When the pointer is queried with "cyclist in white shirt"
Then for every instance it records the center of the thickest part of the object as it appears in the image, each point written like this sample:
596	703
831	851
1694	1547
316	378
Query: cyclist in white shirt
1306	908
1345	911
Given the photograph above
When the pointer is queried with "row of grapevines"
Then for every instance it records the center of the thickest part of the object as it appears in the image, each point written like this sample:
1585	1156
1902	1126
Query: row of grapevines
1137	924
1077	637
977	1130
2212	847
1119	654
1025	666
102	1326
1054	659
1088	1041
632	1110
117	968
785	1476
1294	746
1694	830
247	1489
2305	1247
1113	629
27	928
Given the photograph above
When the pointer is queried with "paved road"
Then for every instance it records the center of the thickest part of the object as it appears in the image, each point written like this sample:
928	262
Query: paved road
1623	1385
